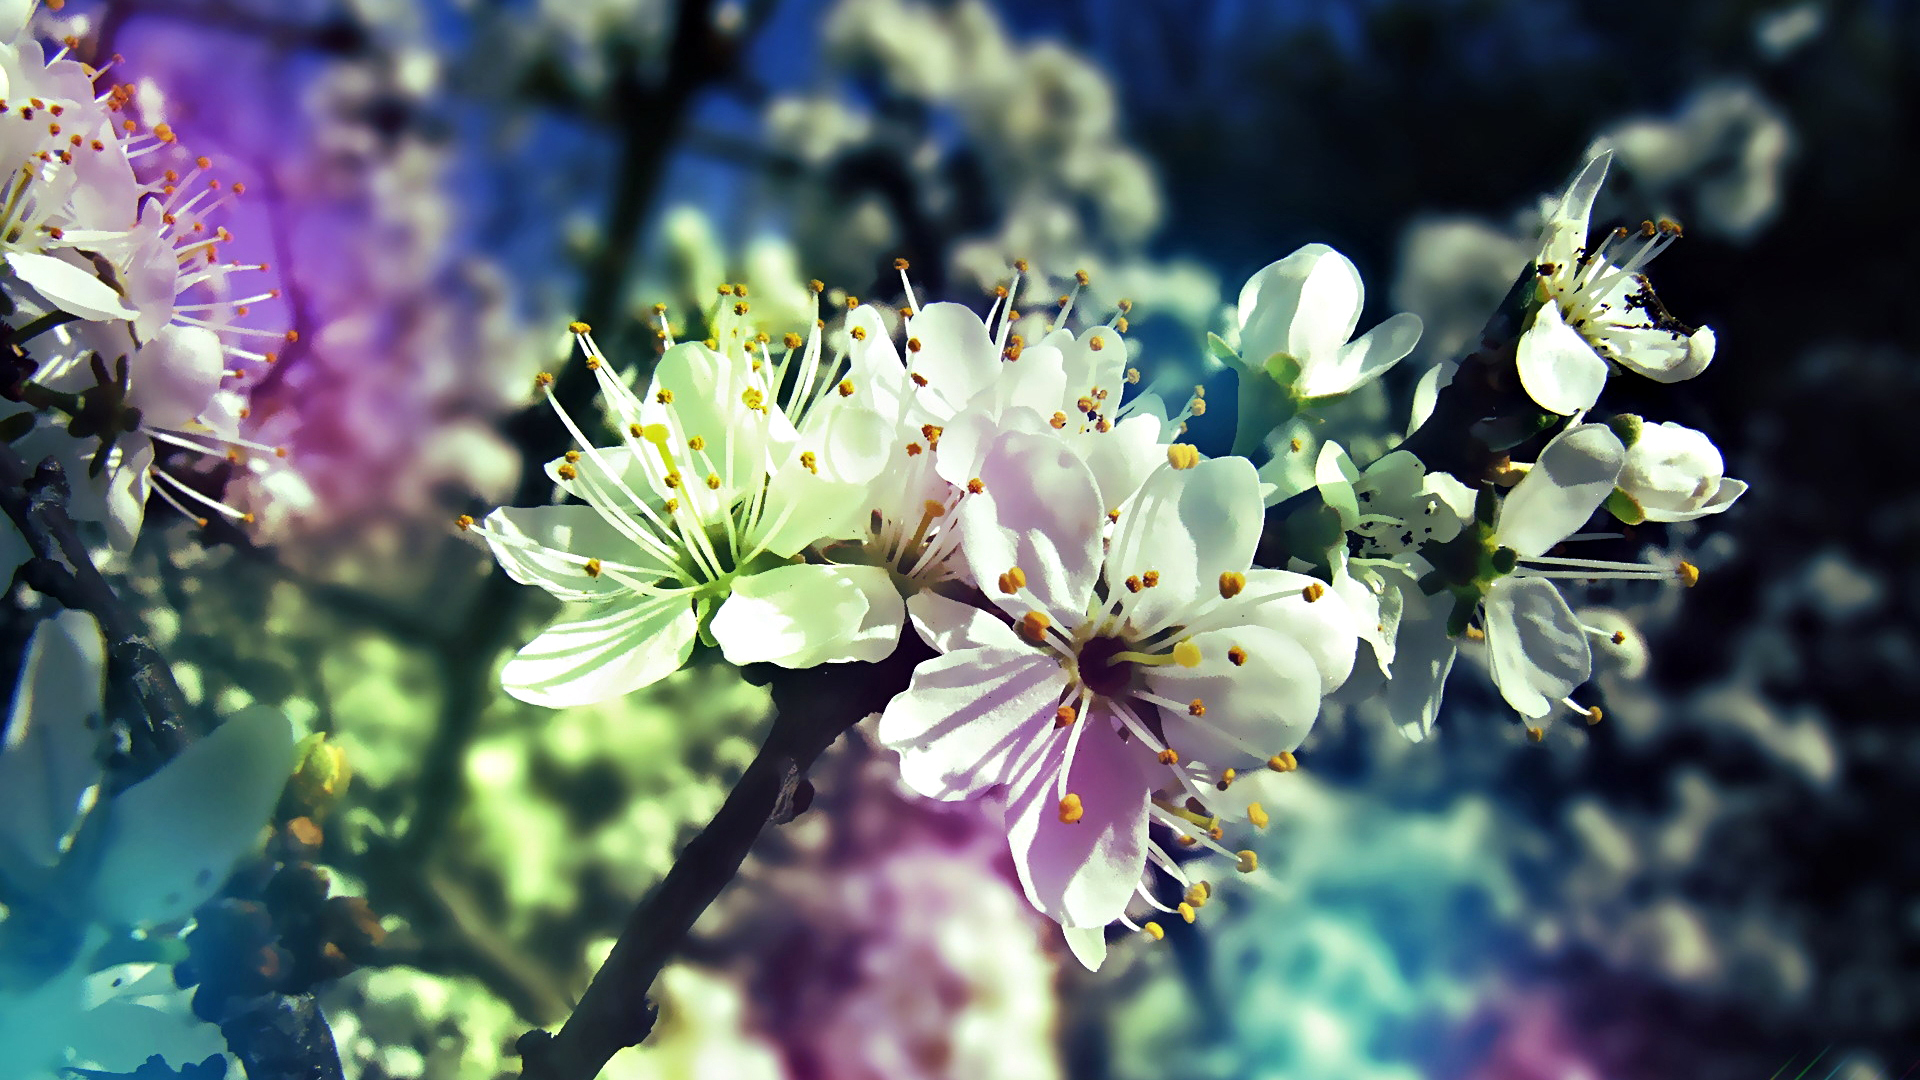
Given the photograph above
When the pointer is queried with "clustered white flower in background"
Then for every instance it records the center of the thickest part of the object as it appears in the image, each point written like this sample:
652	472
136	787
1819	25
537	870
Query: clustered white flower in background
1112	669
118	304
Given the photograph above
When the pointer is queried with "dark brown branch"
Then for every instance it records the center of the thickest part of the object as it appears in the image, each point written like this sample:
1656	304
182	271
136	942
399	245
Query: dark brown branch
814	708
283	1037
147	699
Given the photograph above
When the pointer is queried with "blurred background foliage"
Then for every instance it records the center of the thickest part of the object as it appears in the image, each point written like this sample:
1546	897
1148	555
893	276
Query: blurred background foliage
1718	881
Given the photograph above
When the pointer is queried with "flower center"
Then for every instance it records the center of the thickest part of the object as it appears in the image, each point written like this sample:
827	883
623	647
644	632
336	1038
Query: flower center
1102	668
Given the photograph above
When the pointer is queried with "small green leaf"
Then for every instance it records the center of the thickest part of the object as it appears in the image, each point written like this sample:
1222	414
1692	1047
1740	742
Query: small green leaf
1222	351
1627	426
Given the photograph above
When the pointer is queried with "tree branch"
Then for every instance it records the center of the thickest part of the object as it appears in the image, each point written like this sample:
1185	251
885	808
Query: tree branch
814	707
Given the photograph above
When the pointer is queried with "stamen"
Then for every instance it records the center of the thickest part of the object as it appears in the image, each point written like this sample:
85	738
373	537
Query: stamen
1070	809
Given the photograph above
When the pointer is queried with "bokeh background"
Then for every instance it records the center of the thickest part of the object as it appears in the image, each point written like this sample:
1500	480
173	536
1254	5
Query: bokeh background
1722	880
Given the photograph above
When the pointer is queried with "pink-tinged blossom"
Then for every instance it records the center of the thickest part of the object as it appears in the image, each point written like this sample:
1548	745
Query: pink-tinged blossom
1118	683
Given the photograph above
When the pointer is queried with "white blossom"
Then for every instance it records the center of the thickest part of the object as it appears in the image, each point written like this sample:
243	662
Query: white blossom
1674	473
1305	307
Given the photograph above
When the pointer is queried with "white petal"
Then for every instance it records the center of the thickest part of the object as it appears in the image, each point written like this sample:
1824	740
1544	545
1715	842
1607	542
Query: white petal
1426	392
1537	648
68	287
1123	457
956	356
1558	368
50	758
1574	475
175	376
1305	305
1334	474
1190	526
1040	512
1254	709
1423	657
1364	359
528	542
171	839
1323	627
599	652
972	719
809	614
1088	945
1084	873
1567	224
950	626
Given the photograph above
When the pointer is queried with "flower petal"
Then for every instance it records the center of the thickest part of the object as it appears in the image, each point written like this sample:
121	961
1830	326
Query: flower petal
1363	359
1537	648
1084	873
68	287
1305	305
1256	708
533	544
1558	368
1323	627
972	719
1574	474
956	357
950	626
1189	526
1088	945
171	839
601	651
1040	511
809	614
175	376
50	767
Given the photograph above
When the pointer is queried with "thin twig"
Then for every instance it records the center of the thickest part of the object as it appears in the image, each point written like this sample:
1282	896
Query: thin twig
814	707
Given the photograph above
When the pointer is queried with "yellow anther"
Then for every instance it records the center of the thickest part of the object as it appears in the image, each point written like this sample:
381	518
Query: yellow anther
1133	376
1619	637
592	568
1474	633
918	379
1258	815
1013	580
1594	715
542	380
697	443
1313	592
1284	761
1198	894
1153	931
900	264
913	344
636	431
463	522
816	286
1249	862
664	396
673	506
791	340
1186	654
1294	445
1150	578
1020	265
1064	716
673	480
593	362
1133	584
1186	911
1536	734
572	456
579	328
1033	626
933	508
1689	574
1081	277
1198	406
753	399
566	471
846	387
914	449
740	308
1084	404
1236	656
1196	707
858	333
812	464
1186	841
1120	324
1231	582
853	302
1096	344
1183	455
1169	756
713	481
1070	809
976	486
1059	420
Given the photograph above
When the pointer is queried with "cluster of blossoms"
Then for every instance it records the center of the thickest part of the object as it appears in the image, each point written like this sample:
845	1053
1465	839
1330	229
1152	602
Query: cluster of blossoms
121	347
1113	671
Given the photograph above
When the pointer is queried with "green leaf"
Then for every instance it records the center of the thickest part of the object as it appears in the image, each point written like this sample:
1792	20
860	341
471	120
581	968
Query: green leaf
1627	426
1222	351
